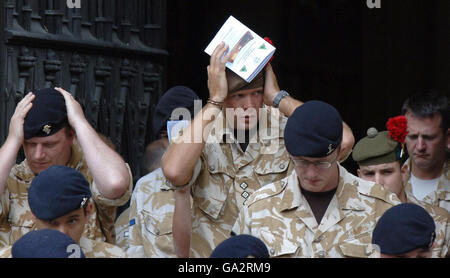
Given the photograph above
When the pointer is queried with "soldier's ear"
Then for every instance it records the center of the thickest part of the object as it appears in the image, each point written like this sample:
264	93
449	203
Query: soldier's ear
359	173
89	209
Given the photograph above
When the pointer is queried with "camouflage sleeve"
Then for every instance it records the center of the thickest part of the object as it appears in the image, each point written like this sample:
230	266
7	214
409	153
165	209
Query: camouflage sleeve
5	227
135	245
103	201
446	245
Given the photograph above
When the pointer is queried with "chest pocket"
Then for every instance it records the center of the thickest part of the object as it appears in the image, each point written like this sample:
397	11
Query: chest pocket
158	230
273	167
212	187
158	224
358	247
279	246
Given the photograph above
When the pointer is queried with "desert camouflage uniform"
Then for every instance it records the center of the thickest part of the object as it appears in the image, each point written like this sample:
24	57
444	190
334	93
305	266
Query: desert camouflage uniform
441	219
17	212
121	227
151	215
91	249
439	198
279	215
225	177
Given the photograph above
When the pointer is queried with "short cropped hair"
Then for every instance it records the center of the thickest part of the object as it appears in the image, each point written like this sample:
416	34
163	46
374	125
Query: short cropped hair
424	104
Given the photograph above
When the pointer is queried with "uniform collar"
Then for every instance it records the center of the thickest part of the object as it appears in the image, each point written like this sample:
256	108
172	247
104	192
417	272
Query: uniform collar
346	193
443	189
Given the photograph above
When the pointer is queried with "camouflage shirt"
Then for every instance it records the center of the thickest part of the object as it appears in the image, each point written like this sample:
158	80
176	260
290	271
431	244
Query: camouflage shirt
441	219
280	216
121	227
91	249
225	177
17	213
438	198
151	215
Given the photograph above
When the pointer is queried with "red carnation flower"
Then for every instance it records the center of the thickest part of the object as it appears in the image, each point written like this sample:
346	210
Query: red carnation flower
398	128
271	42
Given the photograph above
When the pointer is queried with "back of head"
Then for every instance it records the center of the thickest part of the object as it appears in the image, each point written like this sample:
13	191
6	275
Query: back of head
46	243
152	156
403	228
313	130
47	115
241	246
424	104
175	97
58	191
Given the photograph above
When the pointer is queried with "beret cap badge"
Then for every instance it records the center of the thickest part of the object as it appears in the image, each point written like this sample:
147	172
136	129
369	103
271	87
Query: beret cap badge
83	202
47	129
330	149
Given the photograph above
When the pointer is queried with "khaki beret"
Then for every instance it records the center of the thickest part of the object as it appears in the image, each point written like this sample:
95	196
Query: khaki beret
236	83
376	148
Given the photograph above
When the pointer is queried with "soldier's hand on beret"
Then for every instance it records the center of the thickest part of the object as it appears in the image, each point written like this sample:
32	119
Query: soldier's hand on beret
217	81
75	113
271	88
18	118
348	141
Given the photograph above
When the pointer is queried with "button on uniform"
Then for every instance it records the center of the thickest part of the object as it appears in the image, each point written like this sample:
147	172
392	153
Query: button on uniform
321	254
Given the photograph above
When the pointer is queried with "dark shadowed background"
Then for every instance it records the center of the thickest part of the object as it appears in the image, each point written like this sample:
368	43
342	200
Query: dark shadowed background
363	61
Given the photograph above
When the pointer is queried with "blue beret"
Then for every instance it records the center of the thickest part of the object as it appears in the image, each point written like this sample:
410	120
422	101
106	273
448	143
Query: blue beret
404	228
175	97
57	191
241	246
47	115
313	130
46	243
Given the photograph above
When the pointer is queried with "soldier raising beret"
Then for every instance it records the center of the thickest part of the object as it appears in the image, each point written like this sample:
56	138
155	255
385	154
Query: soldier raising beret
50	126
320	210
227	153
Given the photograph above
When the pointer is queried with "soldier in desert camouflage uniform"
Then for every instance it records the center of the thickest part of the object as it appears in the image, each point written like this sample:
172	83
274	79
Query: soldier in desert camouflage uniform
53	131
153	200
379	157
226	155
45	243
59	199
405	231
427	175
320	210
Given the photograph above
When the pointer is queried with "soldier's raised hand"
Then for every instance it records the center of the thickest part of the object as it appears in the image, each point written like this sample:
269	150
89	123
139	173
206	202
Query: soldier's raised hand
16	132
271	88
75	113
217	80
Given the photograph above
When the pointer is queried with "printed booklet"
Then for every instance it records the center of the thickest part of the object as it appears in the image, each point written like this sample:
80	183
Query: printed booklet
250	52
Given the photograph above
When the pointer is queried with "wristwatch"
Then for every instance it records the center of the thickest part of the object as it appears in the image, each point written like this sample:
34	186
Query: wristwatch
279	97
